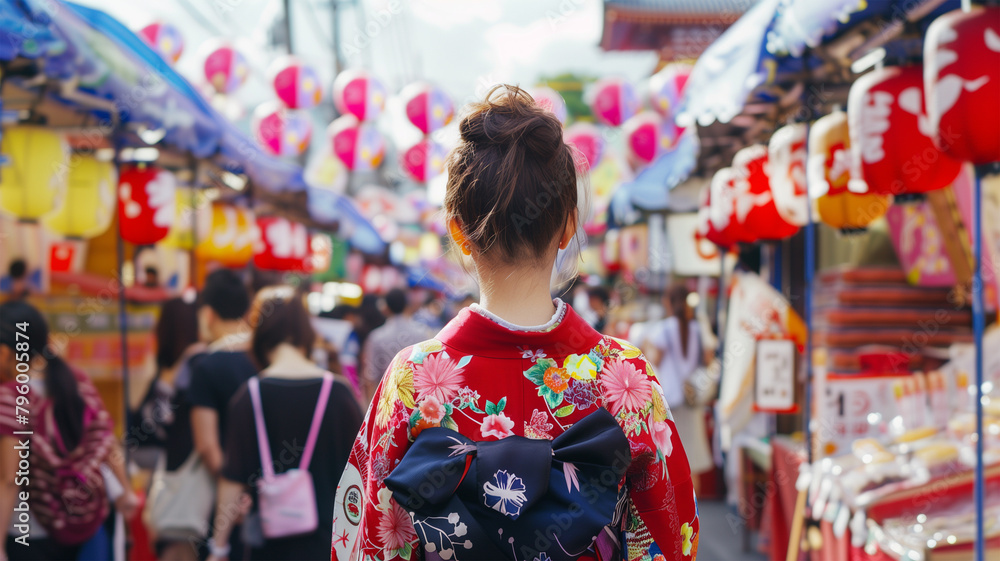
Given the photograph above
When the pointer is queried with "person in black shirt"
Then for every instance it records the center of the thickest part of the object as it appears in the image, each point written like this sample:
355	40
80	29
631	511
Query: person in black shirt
290	385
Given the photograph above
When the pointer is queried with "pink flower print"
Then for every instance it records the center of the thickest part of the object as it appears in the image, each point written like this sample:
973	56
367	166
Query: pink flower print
395	529
497	425
661	437
437	377
431	410
625	387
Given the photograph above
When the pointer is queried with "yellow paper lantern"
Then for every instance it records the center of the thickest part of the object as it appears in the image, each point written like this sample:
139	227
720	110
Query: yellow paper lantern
230	237
37	168
86	206
828	175
192	217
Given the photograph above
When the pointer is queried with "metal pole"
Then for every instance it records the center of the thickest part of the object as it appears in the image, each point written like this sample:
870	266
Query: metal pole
810	267
337	63
288	25
978	324
122	315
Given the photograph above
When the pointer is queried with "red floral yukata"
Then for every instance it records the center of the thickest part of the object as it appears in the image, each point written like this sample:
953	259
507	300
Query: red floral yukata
489	382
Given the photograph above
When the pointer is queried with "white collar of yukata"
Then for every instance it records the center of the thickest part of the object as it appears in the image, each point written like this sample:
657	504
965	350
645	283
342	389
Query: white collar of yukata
547	326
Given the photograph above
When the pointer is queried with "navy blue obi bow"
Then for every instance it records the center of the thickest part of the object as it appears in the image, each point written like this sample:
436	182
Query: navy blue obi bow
515	498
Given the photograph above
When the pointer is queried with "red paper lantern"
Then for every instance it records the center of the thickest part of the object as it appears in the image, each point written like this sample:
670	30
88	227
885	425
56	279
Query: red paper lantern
755	206
962	83
284	245
891	146
61	256
146	202
723	229
786	153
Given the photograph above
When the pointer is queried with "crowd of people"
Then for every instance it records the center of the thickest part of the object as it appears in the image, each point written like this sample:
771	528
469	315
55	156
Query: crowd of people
250	423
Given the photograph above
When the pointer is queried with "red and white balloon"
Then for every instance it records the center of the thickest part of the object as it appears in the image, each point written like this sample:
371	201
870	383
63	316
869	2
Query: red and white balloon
282	131
428	107
360	94
424	160
892	149
296	83
614	101
588	142
146	199
786	154
226	69
649	136
165	39
284	245
359	145
962	83
549	100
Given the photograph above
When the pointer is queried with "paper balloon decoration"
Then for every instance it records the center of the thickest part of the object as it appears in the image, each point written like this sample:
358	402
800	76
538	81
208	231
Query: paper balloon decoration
225	68
360	94
962	83
284	245
755	206
296	83
35	171
828	175
86	207
589	144
786	153
666	88
427	106
649	136
229	237
146	199
614	101
283	132
891	147
550	100
360	146
165	39
424	160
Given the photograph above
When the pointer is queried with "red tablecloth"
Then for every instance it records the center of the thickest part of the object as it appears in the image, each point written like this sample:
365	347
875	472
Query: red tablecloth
787	456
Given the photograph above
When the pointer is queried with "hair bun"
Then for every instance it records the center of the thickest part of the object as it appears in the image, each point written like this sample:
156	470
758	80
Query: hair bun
510	119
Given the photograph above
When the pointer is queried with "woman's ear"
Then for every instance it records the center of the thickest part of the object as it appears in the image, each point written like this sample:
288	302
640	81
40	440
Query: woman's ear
458	236
569	231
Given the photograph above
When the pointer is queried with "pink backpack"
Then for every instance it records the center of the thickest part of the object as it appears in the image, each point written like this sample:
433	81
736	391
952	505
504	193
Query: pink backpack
287	501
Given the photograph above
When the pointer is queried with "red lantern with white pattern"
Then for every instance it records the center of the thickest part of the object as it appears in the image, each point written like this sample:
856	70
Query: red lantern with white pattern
962	83
786	153
146	202
891	146
723	229
755	207
284	245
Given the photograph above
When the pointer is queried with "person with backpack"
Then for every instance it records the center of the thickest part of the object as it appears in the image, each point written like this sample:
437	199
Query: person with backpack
290	431
60	502
518	432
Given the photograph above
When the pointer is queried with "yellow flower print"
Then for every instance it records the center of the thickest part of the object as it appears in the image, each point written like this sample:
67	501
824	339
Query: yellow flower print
628	349
398	385
687	532
581	367
659	407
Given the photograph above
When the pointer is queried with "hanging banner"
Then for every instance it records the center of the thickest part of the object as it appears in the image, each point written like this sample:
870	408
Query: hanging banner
693	255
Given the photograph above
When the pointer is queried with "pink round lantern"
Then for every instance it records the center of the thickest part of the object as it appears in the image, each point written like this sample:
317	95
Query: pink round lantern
755	207
284	245
359	145
550	100
165	39
284	132
296	83
962	83
360	94
225	68
427	107
589	144
892	152
614	101
424	160
649	136
786	155
666	88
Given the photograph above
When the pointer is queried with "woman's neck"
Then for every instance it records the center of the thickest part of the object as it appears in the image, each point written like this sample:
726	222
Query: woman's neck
289	362
519	295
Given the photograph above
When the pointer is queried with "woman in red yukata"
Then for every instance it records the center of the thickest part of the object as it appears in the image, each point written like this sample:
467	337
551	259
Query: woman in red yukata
518	432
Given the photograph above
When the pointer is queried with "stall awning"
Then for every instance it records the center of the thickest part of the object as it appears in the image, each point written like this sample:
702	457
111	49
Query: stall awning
329	206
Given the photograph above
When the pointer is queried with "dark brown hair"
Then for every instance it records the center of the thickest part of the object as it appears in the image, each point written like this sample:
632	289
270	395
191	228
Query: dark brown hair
511	179
677	295
278	316
176	330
